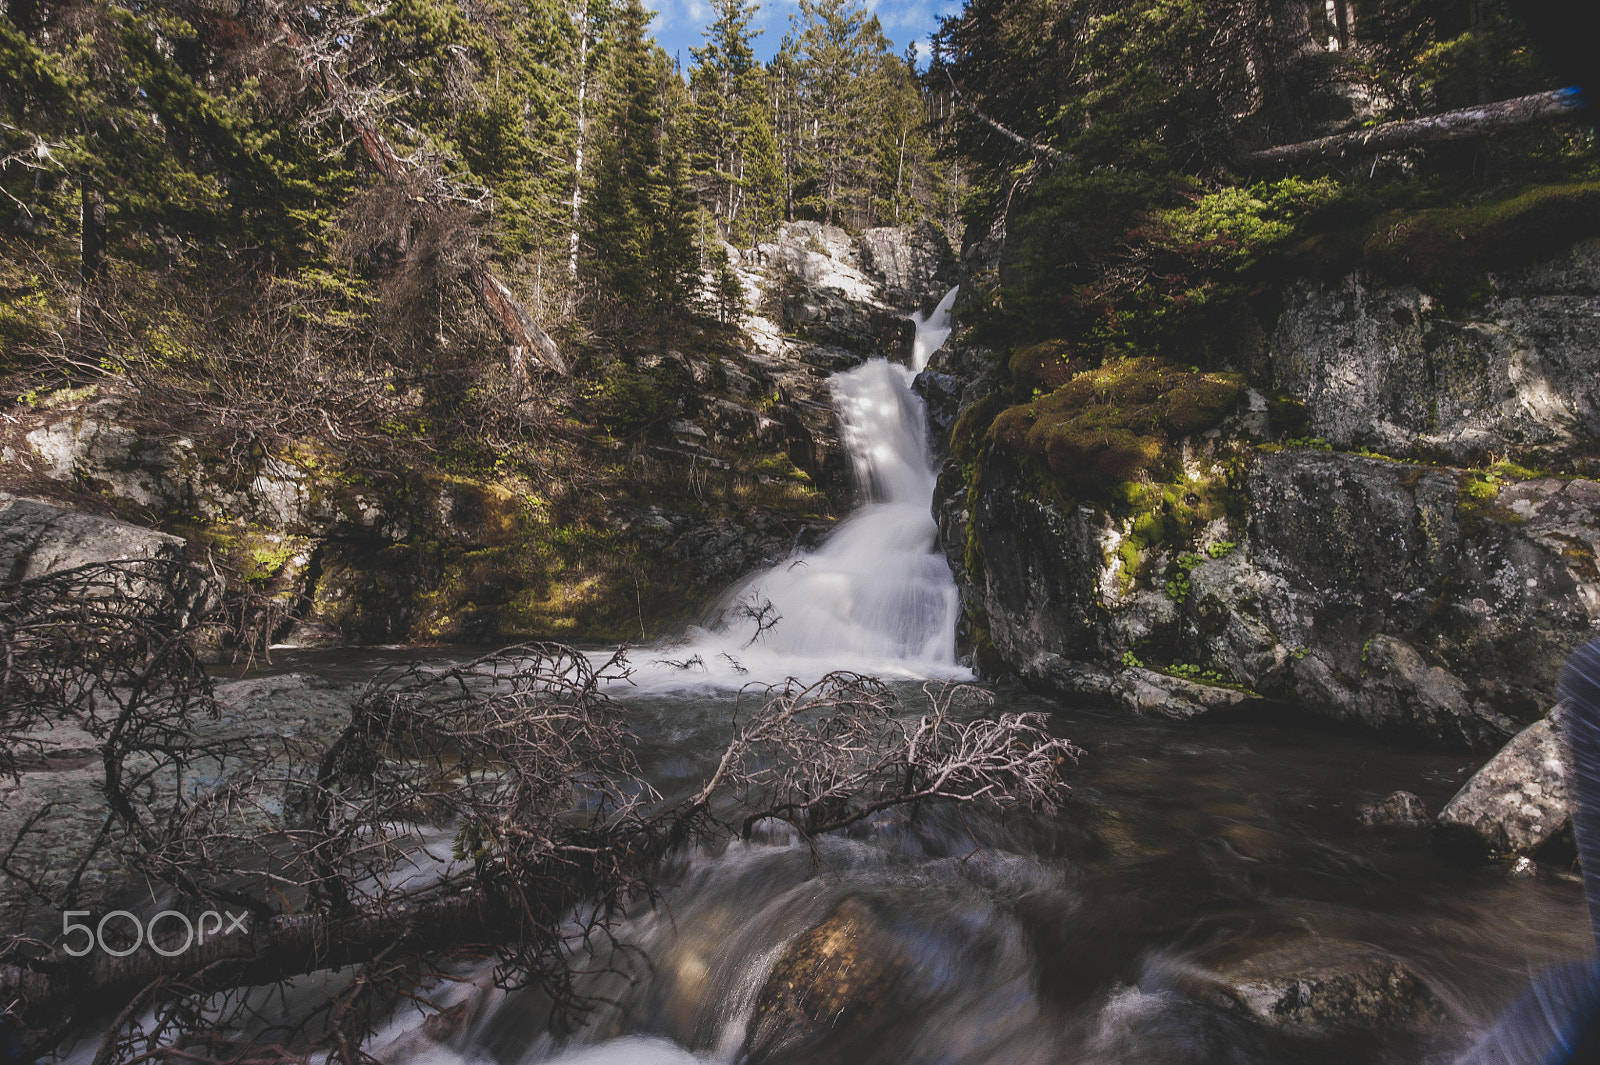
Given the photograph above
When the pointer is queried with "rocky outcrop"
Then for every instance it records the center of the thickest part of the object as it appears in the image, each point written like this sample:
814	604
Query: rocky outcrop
1518	801
1366	589
1396	371
911	266
814	286
37	538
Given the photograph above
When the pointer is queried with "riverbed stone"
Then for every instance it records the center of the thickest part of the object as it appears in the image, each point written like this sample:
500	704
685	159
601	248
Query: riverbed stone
1312	986
1399	809
829	982
1519	800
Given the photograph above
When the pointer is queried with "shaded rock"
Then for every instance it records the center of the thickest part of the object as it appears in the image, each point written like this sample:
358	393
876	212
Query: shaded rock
260	712
1318	985
37	538
829	982
1400	809
1518	801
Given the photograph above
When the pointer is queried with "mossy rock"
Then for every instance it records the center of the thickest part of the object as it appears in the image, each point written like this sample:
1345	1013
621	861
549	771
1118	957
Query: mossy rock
1046	366
1116	423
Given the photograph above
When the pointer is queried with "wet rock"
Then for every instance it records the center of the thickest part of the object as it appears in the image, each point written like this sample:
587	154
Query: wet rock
1149	692
1319	985
1400	809
833	981
1518	801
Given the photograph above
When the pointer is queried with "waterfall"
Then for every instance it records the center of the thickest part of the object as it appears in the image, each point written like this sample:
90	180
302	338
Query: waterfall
932	332
876	596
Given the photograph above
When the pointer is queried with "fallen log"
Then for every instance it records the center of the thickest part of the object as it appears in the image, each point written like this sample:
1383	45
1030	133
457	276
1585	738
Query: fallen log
1498	117
59	990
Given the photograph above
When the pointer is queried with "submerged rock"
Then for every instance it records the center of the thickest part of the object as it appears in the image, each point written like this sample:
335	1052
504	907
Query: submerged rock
1400	809
1518	801
834	981
1315	985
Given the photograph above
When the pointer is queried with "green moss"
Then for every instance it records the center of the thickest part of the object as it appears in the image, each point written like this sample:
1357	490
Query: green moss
1116	423
1045	366
967	435
1447	251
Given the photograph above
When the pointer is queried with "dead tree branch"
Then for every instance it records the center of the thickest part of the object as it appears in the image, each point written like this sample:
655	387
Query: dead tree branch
494	805
1505	115
524	338
1055	155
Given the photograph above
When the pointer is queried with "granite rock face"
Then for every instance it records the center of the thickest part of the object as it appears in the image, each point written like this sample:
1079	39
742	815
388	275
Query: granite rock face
911	266
1393	370
1364	589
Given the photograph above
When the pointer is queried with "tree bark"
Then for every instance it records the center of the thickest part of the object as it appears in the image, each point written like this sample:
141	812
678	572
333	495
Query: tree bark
1477	121
523	335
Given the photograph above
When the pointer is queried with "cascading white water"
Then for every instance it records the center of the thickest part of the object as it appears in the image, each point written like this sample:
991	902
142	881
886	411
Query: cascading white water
932	331
876	596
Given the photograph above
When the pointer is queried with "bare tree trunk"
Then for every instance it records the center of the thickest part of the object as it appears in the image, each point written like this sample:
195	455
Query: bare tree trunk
522	333
582	129
91	264
1477	121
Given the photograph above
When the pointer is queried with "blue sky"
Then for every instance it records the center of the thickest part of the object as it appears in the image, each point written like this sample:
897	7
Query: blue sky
680	24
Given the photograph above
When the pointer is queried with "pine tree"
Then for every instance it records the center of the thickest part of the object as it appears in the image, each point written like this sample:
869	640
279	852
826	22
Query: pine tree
732	150
836	55
641	246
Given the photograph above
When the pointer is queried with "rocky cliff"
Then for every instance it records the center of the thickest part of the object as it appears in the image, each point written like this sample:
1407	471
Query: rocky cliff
1394	522
622	535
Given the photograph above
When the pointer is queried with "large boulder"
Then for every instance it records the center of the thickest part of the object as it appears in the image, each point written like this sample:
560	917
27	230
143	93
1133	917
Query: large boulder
38	538
1519	800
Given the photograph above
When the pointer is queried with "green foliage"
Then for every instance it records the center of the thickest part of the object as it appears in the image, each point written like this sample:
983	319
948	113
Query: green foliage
1177	586
1221	549
1189	671
1130	660
628	402
641	248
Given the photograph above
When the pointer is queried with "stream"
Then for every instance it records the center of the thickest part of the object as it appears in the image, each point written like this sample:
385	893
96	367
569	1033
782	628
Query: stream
1207	895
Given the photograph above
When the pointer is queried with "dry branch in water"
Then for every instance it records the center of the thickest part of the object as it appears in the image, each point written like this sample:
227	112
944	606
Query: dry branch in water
518	758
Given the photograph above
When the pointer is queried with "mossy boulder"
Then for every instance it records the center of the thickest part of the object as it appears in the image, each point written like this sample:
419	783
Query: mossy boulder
1116	423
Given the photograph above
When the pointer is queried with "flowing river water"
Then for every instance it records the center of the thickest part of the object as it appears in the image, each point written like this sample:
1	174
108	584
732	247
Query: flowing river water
1198	871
